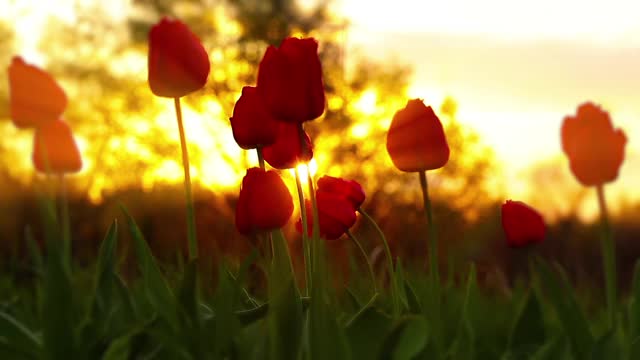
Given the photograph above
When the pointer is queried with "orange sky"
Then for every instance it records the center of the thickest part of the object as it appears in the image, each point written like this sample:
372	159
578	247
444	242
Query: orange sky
515	68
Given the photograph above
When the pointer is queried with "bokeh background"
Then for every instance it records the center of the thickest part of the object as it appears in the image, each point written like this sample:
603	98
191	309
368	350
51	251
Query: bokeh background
501	75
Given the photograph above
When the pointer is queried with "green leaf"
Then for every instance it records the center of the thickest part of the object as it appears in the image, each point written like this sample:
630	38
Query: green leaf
406	340
34	251
567	310
188	299
552	350
634	305
284	316
412	299
16	336
156	288
227	324
606	347
367	332
528	332
105	269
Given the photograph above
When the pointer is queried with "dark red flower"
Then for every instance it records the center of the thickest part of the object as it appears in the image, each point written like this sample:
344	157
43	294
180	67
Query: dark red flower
178	63
264	203
55	150
287	151
522	224
348	189
335	213
252	124
35	97
594	148
290	80
416	139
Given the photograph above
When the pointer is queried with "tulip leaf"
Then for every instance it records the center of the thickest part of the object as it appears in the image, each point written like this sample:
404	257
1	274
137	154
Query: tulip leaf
16	336
568	311
106	269
528	332
155	287
634	305
367	332
406	340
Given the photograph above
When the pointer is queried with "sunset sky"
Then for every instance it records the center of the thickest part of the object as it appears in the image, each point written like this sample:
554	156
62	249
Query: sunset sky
516	68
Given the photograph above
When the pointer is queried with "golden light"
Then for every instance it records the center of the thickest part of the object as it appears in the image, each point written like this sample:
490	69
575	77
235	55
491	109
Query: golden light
303	168
366	104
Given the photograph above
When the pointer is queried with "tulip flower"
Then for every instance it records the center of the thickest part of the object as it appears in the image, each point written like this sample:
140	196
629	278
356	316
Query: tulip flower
252	124
35	97
290	80
288	151
594	148
349	189
336	215
178	63
522	224
416	139
264	203
55	150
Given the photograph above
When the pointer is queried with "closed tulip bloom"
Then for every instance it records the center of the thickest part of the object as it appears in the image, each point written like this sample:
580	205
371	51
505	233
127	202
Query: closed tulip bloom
335	213
594	148
178	63
290	80
264	203
287	151
55	150
253	126
416	139
34	96
349	189
522	224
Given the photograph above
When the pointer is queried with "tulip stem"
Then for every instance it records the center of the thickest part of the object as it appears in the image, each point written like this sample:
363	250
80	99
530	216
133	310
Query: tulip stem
366	258
433	243
305	236
315	239
392	278
64	216
260	157
609	257
191	218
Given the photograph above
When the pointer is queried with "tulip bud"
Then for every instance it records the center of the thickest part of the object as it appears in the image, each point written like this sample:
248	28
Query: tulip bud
55	150
264	202
336	215
416	139
348	189
594	148
288	151
253	126
522	224
290	80
35	97
178	63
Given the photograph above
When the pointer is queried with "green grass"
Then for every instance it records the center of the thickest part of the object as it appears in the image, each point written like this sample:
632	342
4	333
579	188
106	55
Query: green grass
64	311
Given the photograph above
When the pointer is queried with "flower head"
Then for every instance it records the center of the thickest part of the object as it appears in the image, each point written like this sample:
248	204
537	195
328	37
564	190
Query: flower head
290	80
55	150
178	63
416	139
252	124
336	215
349	189
35	97
288	151
522	224
264	203
594	148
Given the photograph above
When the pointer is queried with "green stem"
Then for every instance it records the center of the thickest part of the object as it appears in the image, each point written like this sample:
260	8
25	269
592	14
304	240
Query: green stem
366	258
66	227
392	278
305	236
191	218
433	241
315	238
260	158
609	258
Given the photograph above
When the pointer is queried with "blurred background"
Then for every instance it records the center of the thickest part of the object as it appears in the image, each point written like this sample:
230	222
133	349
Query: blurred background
500	74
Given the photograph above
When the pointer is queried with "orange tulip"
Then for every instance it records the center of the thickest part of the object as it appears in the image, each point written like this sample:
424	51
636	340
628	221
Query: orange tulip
35	97
55	150
594	148
416	139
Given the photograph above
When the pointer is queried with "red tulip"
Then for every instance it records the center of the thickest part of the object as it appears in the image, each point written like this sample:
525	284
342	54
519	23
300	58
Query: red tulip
336	215
264	203
55	150
595	149
416	139
35	97
178	63
290	80
253	126
348	189
522	224
287	151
